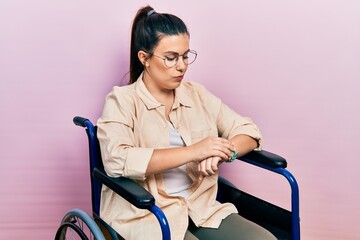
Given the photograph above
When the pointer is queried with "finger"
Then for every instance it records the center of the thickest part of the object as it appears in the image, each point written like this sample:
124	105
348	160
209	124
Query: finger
226	142
200	174
221	154
203	168
209	167
215	163
226	149
220	161
201	177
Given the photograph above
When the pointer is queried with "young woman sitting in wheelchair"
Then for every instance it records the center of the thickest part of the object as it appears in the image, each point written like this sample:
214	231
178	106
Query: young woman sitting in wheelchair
171	136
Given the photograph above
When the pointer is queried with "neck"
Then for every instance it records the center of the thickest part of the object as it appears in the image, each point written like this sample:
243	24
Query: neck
162	95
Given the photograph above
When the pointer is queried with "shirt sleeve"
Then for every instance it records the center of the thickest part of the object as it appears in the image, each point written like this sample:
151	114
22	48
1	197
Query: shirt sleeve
120	155
230	123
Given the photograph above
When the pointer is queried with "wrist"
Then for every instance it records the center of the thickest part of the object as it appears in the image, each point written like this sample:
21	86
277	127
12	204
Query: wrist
191	154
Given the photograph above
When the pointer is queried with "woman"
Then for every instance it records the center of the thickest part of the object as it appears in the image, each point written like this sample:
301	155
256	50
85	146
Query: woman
170	136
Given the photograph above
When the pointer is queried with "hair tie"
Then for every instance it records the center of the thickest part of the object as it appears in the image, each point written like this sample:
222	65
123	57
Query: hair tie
150	12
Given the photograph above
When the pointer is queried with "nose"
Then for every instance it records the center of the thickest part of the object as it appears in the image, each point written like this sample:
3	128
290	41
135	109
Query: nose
180	65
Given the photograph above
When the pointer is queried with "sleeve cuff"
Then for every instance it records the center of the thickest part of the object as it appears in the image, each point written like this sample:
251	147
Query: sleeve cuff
137	161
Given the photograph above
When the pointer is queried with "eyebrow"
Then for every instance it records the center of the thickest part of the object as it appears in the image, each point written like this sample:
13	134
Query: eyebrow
172	52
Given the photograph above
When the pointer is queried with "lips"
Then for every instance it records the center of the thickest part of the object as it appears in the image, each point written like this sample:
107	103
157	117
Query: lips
179	78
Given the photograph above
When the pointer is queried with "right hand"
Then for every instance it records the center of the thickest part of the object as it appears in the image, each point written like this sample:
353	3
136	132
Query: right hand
212	147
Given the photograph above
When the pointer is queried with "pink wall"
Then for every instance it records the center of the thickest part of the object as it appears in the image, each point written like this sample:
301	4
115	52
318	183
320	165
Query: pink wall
293	66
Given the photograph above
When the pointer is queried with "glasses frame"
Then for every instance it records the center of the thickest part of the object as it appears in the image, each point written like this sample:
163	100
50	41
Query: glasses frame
178	56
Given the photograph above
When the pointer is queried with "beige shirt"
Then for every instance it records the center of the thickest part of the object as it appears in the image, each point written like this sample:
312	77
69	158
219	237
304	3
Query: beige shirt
132	125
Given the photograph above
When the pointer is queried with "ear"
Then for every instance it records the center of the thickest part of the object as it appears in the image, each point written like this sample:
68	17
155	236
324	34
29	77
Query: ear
143	57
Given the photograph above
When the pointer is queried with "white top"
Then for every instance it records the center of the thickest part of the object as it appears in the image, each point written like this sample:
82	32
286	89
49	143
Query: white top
176	180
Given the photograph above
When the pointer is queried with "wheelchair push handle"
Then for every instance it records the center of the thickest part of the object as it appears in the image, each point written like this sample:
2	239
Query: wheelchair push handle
80	121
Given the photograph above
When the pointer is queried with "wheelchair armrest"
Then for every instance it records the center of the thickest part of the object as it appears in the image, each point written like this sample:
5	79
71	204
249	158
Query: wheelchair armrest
80	121
126	188
265	158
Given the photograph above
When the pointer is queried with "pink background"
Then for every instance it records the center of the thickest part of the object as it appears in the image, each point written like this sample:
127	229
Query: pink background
292	66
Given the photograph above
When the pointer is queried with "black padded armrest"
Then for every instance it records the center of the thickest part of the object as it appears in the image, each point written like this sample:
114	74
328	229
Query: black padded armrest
126	188
265	158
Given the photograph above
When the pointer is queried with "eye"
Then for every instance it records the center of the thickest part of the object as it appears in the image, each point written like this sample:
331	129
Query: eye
171	58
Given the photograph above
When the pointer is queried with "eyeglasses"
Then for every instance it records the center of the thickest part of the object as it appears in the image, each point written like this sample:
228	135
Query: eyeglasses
172	59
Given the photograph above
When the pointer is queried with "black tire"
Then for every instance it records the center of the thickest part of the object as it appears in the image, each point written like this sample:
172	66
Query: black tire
77	224
69	229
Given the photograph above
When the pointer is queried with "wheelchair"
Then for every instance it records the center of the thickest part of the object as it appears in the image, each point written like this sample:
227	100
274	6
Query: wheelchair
77	224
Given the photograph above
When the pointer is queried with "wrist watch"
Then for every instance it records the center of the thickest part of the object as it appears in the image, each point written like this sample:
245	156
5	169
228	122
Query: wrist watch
233	156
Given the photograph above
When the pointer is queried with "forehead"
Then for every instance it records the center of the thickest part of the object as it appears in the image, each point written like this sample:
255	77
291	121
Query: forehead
173	43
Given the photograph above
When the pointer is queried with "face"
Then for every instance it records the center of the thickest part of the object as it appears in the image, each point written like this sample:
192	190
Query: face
158	76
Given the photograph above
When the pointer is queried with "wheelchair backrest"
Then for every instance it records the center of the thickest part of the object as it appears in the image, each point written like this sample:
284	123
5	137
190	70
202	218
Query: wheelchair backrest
95	162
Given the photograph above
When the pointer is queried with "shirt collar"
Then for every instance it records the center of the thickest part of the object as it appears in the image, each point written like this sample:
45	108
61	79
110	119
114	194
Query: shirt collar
182	95
144	94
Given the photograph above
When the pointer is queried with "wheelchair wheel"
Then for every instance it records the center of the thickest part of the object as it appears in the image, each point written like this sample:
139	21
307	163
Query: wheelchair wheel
69	230
77	224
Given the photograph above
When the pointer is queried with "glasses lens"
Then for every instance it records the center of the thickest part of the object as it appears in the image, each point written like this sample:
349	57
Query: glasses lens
171	62
190	57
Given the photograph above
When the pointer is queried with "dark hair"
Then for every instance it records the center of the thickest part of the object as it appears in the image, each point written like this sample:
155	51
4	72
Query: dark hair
147	29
